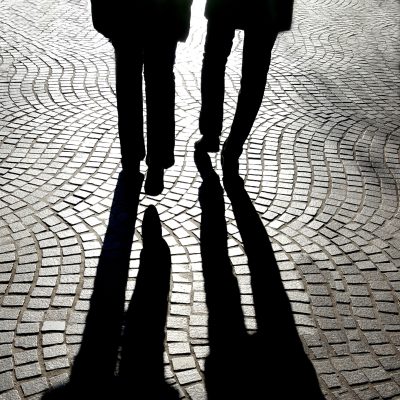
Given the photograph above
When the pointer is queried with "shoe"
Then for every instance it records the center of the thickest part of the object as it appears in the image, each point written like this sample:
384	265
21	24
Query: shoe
154	184
208	143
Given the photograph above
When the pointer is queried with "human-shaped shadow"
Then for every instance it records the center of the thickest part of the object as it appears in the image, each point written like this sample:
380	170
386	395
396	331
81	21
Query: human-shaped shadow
240	365
145	34
261	22
141	368
94	374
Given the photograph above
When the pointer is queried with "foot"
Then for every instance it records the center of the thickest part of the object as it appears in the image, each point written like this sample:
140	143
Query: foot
208	143
154	184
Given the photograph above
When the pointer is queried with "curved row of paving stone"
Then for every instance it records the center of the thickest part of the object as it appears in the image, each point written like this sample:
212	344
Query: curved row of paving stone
328	238
50	242
340	257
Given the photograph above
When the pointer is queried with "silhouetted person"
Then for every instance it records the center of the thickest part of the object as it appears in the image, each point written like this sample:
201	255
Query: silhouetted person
271	360
145	34
261	20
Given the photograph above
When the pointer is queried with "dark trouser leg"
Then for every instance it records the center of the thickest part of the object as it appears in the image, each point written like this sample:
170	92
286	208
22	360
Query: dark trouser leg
257	49
159	59
129	62
216	51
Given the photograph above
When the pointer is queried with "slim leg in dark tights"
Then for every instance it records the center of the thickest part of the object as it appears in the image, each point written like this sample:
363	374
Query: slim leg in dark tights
159	59
257	49
216	51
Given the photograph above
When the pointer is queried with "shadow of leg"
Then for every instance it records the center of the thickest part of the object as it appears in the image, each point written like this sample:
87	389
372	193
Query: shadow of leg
277	342
228	339
92	374
141	369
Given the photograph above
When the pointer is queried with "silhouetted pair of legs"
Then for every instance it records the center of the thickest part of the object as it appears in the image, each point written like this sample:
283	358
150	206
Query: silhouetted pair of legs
257	47
153	53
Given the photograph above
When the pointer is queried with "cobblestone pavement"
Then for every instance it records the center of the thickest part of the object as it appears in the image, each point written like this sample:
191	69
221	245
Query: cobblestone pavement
321	167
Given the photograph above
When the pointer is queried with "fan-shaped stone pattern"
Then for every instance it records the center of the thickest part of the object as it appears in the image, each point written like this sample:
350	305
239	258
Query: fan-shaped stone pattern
321	167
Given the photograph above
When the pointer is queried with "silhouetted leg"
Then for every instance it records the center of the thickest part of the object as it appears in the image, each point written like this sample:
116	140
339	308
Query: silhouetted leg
216	51
129	63
159	59
257	49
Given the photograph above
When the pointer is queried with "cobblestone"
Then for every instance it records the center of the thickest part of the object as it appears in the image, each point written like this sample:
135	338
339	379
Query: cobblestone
321	168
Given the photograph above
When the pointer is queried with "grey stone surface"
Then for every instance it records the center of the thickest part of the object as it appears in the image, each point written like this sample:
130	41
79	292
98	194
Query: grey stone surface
321	167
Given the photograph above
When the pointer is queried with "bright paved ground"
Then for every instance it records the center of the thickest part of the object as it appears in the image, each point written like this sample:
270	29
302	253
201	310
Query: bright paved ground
322	169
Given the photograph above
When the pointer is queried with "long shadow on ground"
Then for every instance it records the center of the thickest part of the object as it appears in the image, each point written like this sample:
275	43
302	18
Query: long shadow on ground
122	352
243	366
